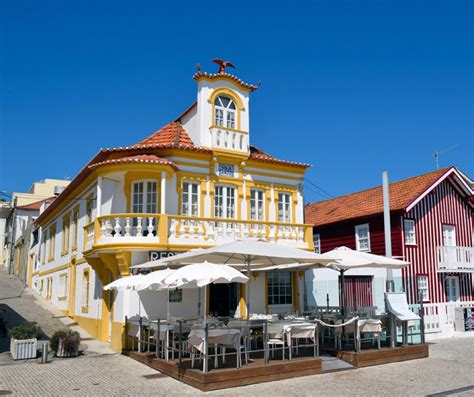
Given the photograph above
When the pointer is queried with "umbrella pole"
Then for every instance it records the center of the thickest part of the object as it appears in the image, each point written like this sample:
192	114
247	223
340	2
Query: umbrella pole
343	305
343	294
205	304
248	289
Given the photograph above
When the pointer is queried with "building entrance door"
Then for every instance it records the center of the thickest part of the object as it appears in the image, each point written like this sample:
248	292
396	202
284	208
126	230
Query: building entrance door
223	299
451	285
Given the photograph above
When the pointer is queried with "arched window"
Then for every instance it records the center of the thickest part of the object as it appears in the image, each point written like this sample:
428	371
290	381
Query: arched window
224	113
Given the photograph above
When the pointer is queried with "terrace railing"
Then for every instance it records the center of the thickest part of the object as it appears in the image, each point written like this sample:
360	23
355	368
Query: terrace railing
455	259
172	230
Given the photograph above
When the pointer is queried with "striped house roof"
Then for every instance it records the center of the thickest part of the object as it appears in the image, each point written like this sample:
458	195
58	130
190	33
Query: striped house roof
370	202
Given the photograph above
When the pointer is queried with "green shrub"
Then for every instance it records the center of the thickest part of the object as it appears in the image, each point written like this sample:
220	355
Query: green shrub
26	331
71	340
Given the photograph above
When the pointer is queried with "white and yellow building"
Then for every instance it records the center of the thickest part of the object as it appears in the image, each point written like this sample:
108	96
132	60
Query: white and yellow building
196	182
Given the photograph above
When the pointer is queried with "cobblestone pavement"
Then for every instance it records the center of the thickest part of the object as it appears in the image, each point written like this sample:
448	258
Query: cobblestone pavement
21	305
450	367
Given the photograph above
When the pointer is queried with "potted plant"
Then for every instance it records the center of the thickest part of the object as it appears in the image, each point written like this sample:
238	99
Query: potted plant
24	341
66	343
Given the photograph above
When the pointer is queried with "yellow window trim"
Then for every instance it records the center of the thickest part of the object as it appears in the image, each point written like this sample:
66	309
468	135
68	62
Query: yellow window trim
52	242
224	91
138	176
75	218
86	273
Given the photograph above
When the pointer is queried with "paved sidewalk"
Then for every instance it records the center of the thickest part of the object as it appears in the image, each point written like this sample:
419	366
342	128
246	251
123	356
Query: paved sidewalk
23	305
449	370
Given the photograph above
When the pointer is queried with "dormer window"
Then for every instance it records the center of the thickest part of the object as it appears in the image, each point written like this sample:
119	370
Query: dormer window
224	112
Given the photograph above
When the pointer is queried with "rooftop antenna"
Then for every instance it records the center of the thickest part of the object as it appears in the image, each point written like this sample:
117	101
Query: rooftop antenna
438	152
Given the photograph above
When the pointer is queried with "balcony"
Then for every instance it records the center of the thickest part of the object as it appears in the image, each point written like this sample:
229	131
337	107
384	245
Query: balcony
455	259
229	139
174	232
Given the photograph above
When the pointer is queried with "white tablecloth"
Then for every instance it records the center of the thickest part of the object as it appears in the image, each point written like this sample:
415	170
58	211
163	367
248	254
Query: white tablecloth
365	325
277	329
300	331
221	336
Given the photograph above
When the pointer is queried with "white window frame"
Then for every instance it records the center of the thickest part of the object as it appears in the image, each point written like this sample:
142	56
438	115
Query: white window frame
410	235
225	116
284	214
225	201
444	228
357	237
62	288
145	203
274	289
257	205
317	243
422	285
187	202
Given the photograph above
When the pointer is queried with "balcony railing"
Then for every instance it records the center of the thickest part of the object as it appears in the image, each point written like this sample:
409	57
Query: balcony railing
229	139
174	231
455	259
210	231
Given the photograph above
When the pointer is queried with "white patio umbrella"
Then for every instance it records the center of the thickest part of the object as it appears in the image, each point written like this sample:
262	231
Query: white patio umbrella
249	254
155	281
124	283
200	275
351	259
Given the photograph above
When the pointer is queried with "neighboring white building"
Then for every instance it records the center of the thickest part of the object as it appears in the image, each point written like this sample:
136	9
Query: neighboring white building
18	224
196	182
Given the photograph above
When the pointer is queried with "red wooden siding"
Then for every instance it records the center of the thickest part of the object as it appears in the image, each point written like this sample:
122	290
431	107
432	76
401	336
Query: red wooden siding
444	205
358	291
343	234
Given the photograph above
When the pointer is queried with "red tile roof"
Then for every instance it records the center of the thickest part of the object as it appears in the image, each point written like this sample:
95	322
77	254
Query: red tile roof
34	206
259	155
141	158
216	76
370	202
171	134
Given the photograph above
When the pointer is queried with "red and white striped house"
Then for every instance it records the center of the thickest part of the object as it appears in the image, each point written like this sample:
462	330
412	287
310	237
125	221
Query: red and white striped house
431	227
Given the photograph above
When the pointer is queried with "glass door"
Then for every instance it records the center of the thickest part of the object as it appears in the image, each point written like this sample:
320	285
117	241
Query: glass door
452	288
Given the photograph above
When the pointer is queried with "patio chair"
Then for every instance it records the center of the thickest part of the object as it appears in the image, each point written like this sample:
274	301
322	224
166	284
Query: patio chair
275	341
303	332
133	333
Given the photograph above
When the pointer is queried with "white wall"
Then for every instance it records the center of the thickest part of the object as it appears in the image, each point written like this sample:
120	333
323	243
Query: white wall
320	282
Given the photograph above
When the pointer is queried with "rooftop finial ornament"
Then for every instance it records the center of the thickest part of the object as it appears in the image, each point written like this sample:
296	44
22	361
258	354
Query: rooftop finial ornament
223	64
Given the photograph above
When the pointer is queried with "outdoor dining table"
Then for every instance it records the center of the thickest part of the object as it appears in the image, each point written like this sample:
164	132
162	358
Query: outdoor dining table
165	328
217	336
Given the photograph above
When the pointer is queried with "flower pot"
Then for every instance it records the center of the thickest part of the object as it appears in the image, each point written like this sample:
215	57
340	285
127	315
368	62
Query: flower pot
62	352
23	349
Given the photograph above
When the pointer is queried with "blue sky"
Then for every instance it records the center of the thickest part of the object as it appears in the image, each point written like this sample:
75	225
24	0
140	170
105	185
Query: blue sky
353	88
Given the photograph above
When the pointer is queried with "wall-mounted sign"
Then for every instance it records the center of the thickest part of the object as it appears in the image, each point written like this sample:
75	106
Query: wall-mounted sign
157	255
225	170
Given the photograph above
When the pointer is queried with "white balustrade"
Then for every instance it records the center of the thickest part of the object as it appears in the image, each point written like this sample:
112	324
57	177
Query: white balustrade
89	235
128	228
204	231
455	259
439	317
229	139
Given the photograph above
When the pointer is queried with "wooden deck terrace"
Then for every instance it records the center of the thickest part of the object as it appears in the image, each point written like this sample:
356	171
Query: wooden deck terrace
227	376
